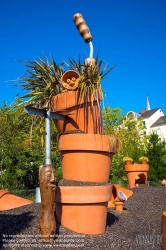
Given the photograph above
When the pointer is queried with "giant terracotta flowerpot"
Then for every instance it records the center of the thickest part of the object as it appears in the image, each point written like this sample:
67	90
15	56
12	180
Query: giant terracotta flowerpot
86	157
83	209
137	174
80	115
10	201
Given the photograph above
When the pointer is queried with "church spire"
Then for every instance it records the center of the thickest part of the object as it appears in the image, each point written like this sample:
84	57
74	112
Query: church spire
147	104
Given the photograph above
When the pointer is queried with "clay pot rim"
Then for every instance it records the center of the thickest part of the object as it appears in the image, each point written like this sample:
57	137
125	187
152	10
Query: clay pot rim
83	194
69	87
79	142
119	202
3	192
136	167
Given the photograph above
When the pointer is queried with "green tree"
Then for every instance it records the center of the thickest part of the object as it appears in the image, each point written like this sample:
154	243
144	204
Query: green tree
156	152
11	145
22	147
118	174
129	132
134	139
112	117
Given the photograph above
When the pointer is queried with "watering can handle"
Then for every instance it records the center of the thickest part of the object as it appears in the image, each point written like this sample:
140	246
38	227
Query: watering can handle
82	27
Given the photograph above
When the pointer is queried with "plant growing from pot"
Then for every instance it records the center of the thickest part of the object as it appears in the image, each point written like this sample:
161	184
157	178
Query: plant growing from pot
127	160
42	81
76	93
83	104
144	159
91	73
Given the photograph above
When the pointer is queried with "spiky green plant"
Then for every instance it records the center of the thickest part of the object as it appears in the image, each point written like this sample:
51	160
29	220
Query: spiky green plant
90	78
89	82
42	81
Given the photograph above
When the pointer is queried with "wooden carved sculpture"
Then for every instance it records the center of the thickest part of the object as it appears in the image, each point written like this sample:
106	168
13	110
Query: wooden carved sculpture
47	181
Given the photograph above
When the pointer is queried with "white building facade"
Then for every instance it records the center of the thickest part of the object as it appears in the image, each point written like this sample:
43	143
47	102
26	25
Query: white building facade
154	121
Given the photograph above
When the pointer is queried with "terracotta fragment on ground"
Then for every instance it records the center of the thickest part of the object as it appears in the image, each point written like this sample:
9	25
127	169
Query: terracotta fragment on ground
115	190
10	201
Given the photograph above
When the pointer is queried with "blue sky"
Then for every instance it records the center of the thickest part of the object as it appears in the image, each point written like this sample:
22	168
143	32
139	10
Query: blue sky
129	34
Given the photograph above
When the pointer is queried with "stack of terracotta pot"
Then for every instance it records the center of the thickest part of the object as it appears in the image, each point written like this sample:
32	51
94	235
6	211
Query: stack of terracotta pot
86	159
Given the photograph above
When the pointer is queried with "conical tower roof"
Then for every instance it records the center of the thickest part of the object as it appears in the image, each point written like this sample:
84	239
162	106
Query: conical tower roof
147	104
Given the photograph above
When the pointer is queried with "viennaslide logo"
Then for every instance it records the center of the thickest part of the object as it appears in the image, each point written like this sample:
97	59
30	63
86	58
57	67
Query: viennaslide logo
152	239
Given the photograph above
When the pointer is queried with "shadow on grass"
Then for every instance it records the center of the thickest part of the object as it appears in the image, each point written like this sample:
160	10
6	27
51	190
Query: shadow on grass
11	225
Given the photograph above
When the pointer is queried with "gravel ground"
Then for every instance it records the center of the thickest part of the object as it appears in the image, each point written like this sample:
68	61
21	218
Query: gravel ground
70	183
141	216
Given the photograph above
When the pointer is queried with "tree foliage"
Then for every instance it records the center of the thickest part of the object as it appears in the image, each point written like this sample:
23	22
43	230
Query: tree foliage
134	140
22	147
112	117
156	152
129	133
